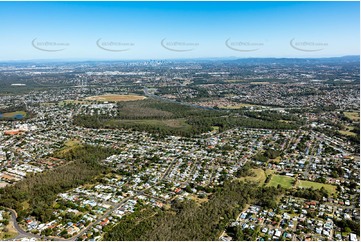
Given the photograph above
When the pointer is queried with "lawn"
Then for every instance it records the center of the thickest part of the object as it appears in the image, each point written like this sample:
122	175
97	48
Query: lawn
275	160
260	83
354	116
316	185
260	176
284	181
197	199
116	98
68	146
171	123
62	103
238	106
71	142
235	81
347	133
215	128
12	114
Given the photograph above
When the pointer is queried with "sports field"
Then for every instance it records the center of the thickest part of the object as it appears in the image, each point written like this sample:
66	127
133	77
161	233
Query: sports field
115	98
316	185
284	181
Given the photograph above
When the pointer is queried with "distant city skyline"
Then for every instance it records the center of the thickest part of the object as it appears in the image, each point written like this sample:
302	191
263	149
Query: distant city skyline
177	30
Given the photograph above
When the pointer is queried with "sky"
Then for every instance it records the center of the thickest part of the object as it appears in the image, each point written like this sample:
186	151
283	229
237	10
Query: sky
168	30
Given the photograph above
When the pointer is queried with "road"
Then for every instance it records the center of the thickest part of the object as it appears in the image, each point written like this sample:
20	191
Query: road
22	233
105	215
99	219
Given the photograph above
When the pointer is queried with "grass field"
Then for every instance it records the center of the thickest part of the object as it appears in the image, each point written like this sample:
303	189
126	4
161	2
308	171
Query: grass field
284	181
172	123
215	128
238	106
116	98
347	133
62	103
234	81
354	116
71	143
10	232
316	185
197	199
260	176
68	145
260	83
275	160
12	114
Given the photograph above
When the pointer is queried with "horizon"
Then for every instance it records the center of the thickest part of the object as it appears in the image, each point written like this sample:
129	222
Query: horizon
159	30
174	59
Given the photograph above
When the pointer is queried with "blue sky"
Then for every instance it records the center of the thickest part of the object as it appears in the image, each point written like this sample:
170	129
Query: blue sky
188	29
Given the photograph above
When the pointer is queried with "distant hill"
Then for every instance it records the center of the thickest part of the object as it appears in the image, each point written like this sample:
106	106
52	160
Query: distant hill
329	60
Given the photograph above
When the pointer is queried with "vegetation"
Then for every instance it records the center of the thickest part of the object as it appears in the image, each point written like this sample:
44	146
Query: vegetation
115	98
256	175
189	221
39	191
316	185
169	118
267	154
309	193
349	225
283	181
353	116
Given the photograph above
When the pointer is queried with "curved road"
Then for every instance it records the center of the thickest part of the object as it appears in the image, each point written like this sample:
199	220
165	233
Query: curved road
24	234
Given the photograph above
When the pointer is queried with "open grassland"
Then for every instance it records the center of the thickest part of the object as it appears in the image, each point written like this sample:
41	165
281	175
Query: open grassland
71	143
284	181
62	103
115	98
168	123
68	146
260	176
347	130
316	185
347	133
10	232
197	199
275	160
260	83
238	106
354	116
234	81
12	114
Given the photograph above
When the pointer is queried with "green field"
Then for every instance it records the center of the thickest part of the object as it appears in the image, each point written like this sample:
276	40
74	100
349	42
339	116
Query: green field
166	123
316	185
260	176
239	106
347	133
75	102
354	116
68	146
284	181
